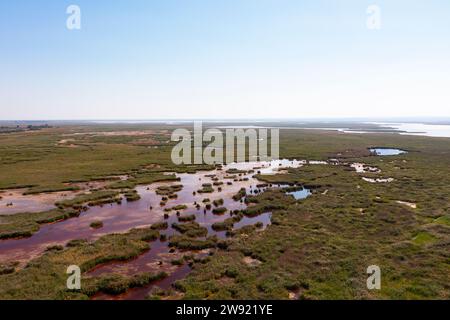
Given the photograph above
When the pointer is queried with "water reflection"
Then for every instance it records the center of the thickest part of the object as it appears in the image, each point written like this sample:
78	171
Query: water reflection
300	194
387	151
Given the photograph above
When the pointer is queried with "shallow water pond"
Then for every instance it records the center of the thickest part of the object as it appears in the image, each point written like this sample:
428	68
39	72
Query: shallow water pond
387	151
300	194
14	201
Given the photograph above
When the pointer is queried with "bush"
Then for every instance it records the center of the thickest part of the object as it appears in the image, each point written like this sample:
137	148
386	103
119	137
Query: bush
220	210
96	224
190	217
160	226
185	243
208	189
132	196
180	207
168	190
241	194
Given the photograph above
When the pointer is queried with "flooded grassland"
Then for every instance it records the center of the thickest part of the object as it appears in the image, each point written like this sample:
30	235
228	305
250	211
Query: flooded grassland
140	228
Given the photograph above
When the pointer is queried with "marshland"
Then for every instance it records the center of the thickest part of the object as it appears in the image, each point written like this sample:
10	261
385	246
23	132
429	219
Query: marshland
108	198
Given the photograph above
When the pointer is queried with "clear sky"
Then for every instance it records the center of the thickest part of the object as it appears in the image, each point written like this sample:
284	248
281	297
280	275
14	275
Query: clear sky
148	59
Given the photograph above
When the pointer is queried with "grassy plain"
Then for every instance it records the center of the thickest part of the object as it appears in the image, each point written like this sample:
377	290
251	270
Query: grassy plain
317	248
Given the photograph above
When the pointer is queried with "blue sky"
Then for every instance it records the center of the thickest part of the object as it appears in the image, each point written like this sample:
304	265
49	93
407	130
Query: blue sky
145	59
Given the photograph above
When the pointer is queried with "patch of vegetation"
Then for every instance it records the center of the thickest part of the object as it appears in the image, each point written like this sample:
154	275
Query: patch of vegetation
244	231
168	190
228	223
190	229
55	247
160	226
184	242
8	268
91	199
190	217
206	188
443	220
116	284
241	194
96	224
49	189
179	207
423	238
132	195
45	277
23	225
177	262
266	202
219	210
235	171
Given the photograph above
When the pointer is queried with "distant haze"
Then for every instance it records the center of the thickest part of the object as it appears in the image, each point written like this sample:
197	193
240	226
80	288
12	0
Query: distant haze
235	59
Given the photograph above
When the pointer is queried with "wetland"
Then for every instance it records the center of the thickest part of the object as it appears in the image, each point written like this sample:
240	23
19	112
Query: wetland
303	227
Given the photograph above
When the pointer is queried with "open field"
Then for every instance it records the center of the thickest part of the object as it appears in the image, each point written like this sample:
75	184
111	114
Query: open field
314	248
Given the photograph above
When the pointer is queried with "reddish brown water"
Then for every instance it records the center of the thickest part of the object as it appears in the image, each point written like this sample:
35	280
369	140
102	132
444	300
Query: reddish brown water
127	215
